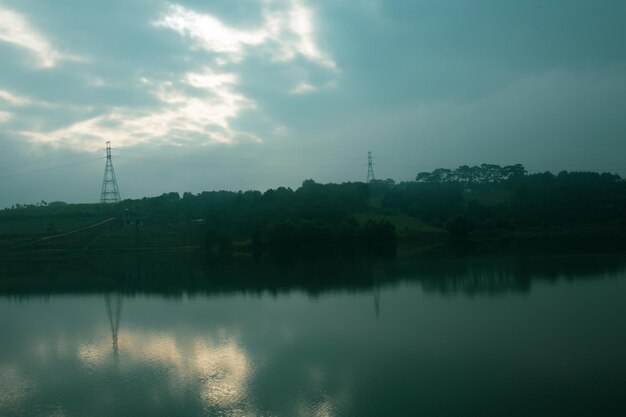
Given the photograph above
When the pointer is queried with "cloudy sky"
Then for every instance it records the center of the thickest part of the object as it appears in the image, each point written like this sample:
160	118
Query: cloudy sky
253	94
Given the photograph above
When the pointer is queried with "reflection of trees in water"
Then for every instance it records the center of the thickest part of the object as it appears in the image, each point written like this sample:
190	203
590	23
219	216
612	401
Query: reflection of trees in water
376	293
496	275
174	275
476	282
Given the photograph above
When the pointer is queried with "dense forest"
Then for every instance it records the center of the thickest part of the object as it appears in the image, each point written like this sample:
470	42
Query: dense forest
480	202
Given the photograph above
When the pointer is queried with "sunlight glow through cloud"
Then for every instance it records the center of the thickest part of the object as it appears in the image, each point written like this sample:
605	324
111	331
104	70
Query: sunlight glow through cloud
293	31
199	106
200	116
210	32
288	30
15	29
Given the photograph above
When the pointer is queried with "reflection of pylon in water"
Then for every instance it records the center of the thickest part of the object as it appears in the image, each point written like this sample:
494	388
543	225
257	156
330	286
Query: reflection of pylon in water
376	292
114	311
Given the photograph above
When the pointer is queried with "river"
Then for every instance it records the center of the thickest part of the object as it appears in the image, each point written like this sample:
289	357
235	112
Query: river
183	335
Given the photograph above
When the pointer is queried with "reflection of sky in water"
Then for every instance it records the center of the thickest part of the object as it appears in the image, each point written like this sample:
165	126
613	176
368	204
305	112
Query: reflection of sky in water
16	387
218	365
189	356
333	355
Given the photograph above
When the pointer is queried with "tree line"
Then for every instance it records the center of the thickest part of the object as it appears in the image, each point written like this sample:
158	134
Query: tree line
478	174
463	203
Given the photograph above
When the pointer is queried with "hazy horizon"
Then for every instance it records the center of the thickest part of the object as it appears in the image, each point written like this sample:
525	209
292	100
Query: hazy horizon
258	94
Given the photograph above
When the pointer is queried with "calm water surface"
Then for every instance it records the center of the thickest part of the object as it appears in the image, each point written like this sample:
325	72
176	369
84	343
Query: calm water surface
527	336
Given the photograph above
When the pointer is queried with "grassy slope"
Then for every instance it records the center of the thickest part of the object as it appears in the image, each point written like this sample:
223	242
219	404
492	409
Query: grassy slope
32	223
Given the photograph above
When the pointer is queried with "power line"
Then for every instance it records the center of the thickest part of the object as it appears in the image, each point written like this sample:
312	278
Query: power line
238	162
248	159
46	161
51	168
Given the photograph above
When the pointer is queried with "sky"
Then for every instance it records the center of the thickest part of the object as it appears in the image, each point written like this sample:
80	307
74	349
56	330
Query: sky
255	94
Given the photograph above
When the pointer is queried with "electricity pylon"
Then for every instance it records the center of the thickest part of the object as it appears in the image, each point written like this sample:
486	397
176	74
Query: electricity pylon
110	192
370	167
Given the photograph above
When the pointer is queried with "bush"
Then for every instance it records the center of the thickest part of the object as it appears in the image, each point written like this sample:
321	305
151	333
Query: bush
459	226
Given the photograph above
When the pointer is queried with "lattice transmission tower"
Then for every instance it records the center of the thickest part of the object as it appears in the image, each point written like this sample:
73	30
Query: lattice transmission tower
370	167
110	192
